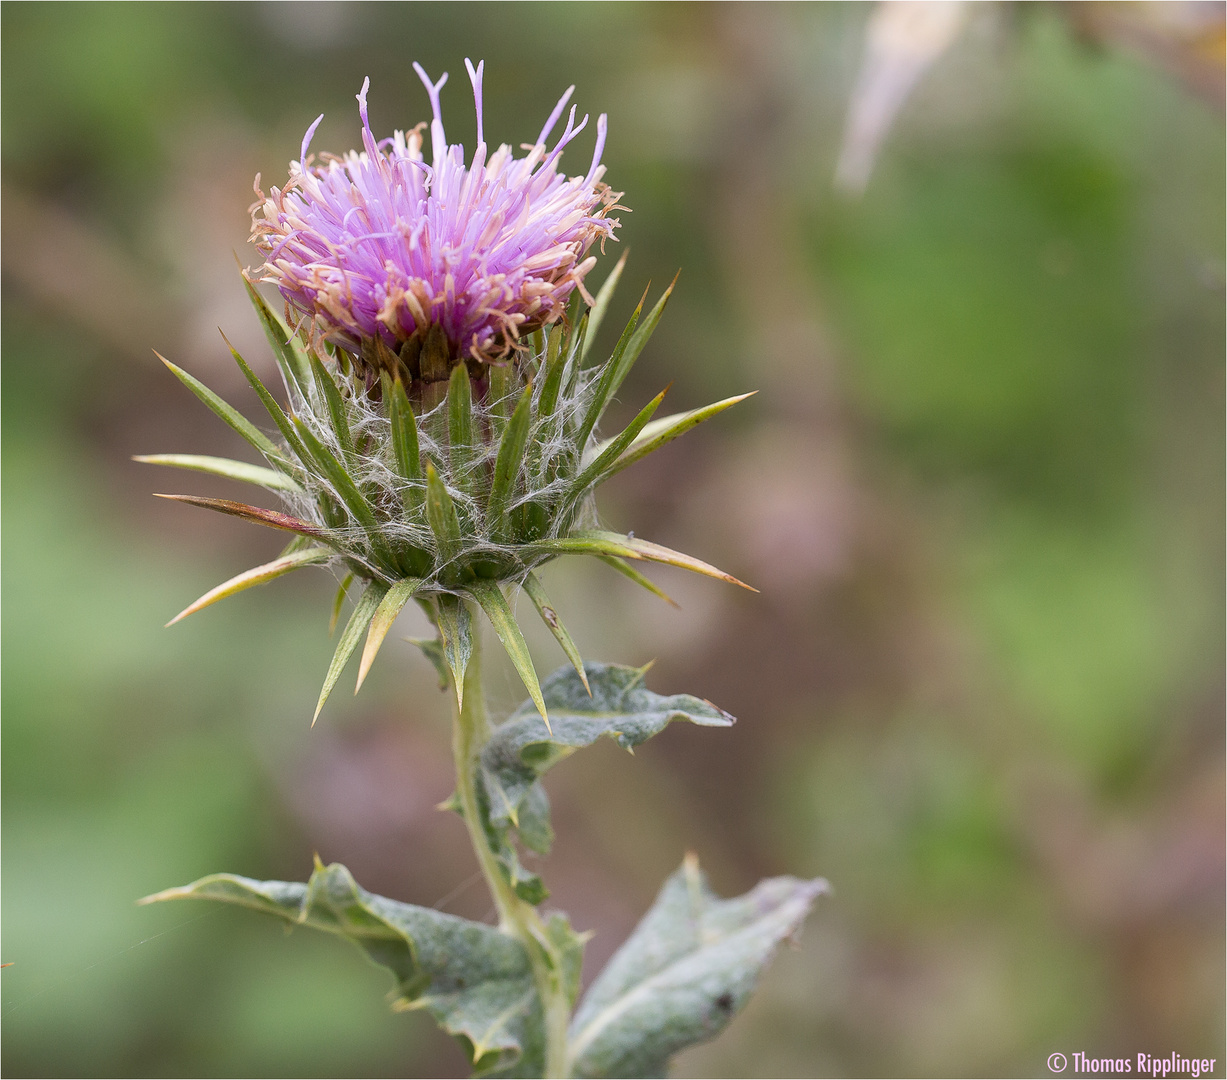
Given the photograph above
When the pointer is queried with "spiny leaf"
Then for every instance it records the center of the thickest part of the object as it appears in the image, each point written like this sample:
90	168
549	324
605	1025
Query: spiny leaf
567	950
550	617
256	576
441	513
338	602
336	407
385	615
227	467
475	981
623	567
235	419
497	610
599	468
455	630
460	427
684	973
507	462
658	432
290	358
597	315
612	701
405	447
364	610
532	821
631	547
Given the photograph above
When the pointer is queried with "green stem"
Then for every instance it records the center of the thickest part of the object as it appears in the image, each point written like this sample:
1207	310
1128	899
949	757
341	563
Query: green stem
470	731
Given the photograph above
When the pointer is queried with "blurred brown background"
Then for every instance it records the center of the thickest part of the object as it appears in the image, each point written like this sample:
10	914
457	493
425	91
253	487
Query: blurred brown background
981	490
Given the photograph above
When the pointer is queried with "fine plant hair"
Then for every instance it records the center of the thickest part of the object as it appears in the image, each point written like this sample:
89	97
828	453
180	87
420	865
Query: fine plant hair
543	477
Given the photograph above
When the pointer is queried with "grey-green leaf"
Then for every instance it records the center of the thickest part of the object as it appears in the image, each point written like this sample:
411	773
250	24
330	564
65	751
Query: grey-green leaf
567	951
687	969
475	981
432	649
227	467
620	706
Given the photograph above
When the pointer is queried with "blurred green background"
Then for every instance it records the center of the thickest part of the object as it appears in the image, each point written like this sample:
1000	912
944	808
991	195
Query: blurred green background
981	490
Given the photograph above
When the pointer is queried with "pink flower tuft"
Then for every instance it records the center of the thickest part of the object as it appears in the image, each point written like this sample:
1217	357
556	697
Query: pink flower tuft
378	244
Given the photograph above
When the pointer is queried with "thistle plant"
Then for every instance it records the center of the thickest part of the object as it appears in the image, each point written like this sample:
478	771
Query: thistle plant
439	442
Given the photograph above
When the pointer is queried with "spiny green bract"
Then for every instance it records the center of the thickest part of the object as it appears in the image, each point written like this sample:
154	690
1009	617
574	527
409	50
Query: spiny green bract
489	476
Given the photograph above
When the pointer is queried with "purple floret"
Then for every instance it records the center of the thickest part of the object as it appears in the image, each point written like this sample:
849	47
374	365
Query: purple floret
378	244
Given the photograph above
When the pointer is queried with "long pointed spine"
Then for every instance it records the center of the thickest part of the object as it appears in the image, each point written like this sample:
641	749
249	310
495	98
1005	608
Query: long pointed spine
550	617
230	469
497	610
623	360
385	615
441	514
363	612
507	463
336	408
290	359
603	298
604	391
406	448
256	576
228	413
460	430
595	472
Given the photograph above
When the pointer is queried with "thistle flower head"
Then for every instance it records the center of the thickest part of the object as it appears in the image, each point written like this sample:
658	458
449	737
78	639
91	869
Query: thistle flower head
415	456
380	246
